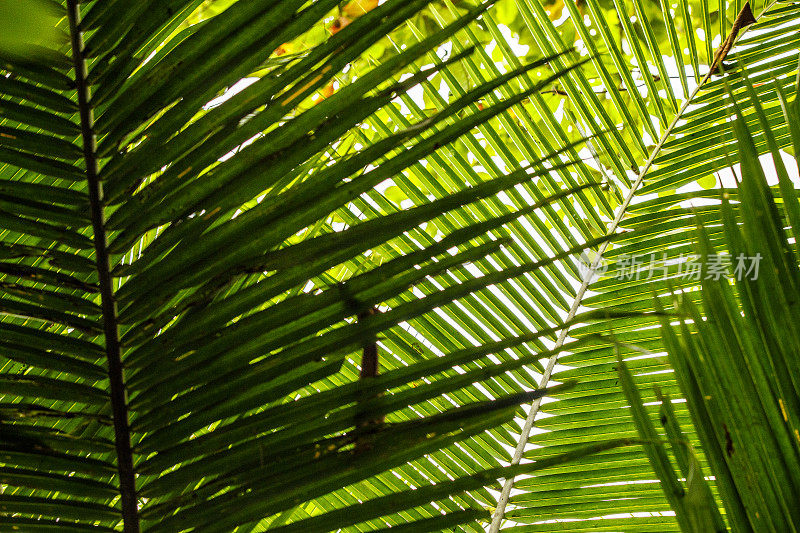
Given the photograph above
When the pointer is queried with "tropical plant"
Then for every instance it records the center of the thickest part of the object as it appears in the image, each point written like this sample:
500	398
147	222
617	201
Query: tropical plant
737	360
178	353
246	222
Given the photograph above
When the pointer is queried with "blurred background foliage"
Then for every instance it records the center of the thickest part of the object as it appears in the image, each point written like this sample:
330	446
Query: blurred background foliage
511	20
30	29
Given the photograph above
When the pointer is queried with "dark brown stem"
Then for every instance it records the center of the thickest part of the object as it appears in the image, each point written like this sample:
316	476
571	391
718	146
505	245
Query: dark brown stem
370	367
119	407
744	19
369	359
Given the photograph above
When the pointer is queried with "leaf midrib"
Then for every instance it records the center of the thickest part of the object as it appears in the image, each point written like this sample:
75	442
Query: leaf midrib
118	395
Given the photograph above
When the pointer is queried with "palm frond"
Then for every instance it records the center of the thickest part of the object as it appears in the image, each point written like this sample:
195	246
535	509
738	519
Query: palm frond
180	299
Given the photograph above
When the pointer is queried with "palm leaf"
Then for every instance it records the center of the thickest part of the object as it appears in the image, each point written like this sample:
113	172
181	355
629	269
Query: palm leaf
179	307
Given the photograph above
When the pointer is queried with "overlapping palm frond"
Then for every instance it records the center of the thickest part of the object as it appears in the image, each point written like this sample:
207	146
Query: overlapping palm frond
192	271
736	358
